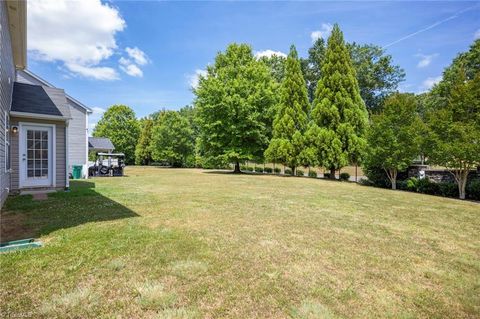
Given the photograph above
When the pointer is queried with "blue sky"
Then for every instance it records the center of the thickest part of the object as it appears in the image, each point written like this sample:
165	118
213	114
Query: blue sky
146	53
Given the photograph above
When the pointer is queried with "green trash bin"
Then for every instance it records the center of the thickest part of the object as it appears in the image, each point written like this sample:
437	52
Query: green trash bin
77	171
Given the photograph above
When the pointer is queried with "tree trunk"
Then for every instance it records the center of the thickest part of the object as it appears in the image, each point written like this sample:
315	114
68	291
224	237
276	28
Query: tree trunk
394	184
462	177
356	175
237	168
293	170
392	176
332	172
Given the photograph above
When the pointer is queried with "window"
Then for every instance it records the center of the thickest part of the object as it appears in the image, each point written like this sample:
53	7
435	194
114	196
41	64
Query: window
7	142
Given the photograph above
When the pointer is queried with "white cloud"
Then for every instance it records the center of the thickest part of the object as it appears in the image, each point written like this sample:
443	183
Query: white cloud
425	59
131	65
193	79
269	54
79	34
132	70
477	35
137	55
429	82
324	32
94	72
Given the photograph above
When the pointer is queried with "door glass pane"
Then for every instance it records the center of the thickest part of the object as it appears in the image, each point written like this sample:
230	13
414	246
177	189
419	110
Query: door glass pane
37	153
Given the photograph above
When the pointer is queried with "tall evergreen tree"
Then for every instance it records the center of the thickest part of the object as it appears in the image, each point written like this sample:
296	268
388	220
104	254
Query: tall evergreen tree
143	150
291	118
339	117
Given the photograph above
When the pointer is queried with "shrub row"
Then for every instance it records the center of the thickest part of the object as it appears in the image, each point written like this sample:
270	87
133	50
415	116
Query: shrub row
426	186
288	171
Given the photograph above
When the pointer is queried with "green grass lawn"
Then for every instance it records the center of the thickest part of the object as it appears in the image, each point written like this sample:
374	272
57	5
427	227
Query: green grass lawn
166	243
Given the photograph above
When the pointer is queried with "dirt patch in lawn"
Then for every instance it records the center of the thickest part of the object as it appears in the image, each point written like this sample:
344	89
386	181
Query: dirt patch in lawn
13	226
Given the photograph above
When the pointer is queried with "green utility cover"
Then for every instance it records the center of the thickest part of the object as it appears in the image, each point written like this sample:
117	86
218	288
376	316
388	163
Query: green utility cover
19	244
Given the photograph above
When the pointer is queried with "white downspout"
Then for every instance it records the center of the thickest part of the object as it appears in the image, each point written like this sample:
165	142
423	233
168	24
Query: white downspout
67	180
86	146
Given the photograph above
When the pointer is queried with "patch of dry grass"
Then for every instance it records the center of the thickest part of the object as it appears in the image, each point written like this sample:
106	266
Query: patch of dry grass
178	243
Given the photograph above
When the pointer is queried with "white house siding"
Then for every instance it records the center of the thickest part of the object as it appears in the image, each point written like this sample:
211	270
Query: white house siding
77	138
77	129
7	77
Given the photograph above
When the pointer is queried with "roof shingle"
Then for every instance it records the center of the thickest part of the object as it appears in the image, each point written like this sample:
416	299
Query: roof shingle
39	99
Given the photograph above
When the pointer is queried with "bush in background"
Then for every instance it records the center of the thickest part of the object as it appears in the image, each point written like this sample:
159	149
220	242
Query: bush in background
300	172
326	175
249	169
268	170
376	176
288	171
312	174
277	170
344	176
259	169
473	189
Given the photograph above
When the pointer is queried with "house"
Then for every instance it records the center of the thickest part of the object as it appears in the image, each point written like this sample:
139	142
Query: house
43	129
77	124
100	144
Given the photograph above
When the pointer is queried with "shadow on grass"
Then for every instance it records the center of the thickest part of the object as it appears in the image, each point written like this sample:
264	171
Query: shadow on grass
22	217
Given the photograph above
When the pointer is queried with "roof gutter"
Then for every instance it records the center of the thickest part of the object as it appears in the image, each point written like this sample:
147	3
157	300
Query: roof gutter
17	20
39	116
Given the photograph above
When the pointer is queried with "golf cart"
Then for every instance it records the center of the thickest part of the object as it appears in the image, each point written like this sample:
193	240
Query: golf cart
107	164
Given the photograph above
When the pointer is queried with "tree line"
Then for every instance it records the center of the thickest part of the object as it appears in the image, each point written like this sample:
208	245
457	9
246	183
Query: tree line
336	107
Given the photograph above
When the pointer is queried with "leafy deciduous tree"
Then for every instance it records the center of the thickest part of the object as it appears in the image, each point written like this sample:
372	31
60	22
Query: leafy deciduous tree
312	66
377	76
233	102
454	117
276	64
120	125
172	139
393	137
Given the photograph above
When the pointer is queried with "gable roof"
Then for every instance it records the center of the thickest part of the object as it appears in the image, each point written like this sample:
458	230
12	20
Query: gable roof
37	99
100	143
46	83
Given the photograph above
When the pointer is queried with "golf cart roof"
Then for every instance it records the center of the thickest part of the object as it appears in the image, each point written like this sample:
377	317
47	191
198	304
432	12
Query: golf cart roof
111	154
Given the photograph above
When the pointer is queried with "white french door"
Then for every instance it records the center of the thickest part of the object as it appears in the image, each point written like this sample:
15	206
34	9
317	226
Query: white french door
36	155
